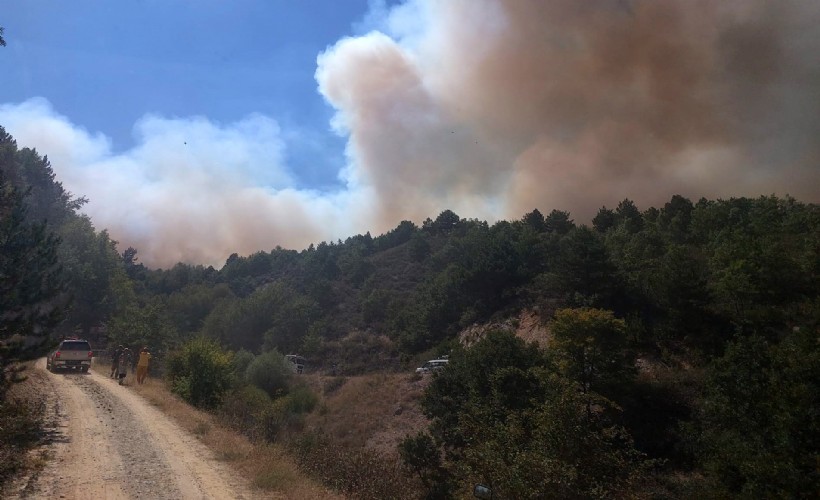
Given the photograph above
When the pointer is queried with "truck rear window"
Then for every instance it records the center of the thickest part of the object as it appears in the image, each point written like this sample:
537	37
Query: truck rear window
75	346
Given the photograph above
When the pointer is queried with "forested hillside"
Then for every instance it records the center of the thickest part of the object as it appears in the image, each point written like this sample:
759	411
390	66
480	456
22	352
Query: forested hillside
683	353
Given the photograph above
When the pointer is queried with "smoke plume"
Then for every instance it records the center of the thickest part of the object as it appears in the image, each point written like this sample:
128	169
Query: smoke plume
494	107
490	108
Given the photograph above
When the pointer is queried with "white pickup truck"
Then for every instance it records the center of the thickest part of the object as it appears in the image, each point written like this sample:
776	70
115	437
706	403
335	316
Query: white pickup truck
70	354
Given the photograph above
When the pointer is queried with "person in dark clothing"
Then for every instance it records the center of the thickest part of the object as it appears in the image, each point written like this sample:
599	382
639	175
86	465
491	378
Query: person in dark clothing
115	359
124	363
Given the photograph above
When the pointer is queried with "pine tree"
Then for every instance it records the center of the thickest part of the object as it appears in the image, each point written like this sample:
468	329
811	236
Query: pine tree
31	284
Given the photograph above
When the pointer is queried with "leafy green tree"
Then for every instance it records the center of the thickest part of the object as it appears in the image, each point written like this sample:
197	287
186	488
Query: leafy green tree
636	255
48	201
758	428
241	360
604	220
188	307
503	417
94	269
134	269
314	342
582	272
419	247
590	347
274	315
535	220
31	284
628	215
759	253
239	323
558	222
145	324
476	381
320	264
477	377
355	267
421	454
553	449
395	237
169	281
676	218
200	372
436	312
446	222
375	306
292	319
678	285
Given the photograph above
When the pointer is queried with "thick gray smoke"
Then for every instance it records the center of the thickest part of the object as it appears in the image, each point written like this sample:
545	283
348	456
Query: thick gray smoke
487	107
494	107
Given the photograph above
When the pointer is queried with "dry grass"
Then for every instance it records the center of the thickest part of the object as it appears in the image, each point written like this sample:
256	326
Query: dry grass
372	411
23	420
265	466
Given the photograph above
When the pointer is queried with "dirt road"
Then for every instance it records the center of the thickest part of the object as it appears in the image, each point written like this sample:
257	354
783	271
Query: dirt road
108	443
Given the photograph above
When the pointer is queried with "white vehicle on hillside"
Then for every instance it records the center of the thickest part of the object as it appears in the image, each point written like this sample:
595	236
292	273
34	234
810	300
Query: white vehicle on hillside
297	363
433	365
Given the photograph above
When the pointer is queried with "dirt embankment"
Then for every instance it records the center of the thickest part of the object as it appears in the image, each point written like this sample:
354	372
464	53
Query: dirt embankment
107	442
528	325
371	411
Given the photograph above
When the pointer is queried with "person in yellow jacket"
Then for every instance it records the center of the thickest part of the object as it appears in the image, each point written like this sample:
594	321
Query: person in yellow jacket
142	365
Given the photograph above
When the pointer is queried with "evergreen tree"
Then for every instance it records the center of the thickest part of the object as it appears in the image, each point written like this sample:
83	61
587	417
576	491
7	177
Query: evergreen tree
31	284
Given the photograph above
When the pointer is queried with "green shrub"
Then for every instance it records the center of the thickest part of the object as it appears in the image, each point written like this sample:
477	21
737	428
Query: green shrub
242	407
251	411
241	360
200	372
272	420
421	454
181	385
301	400
271	372
287	414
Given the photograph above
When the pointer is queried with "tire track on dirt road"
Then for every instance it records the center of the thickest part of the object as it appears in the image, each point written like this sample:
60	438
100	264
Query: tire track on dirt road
110	443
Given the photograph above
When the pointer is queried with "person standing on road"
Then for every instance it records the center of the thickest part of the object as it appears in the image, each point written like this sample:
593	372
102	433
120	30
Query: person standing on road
124	363
115	359
142	365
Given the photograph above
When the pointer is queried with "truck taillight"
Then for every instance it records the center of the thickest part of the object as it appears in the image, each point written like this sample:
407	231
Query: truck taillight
90	353
57	354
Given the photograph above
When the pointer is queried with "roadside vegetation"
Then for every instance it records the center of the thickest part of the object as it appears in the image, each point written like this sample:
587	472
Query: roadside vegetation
680	353
265	465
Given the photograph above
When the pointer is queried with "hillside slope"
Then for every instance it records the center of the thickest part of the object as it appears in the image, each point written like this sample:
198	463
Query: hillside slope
377	411
369	411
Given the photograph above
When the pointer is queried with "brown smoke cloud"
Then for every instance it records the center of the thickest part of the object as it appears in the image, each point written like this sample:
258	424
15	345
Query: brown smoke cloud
495	107
490	108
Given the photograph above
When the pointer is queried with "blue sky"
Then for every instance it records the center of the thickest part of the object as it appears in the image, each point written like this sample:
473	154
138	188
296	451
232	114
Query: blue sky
200	128
106	64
